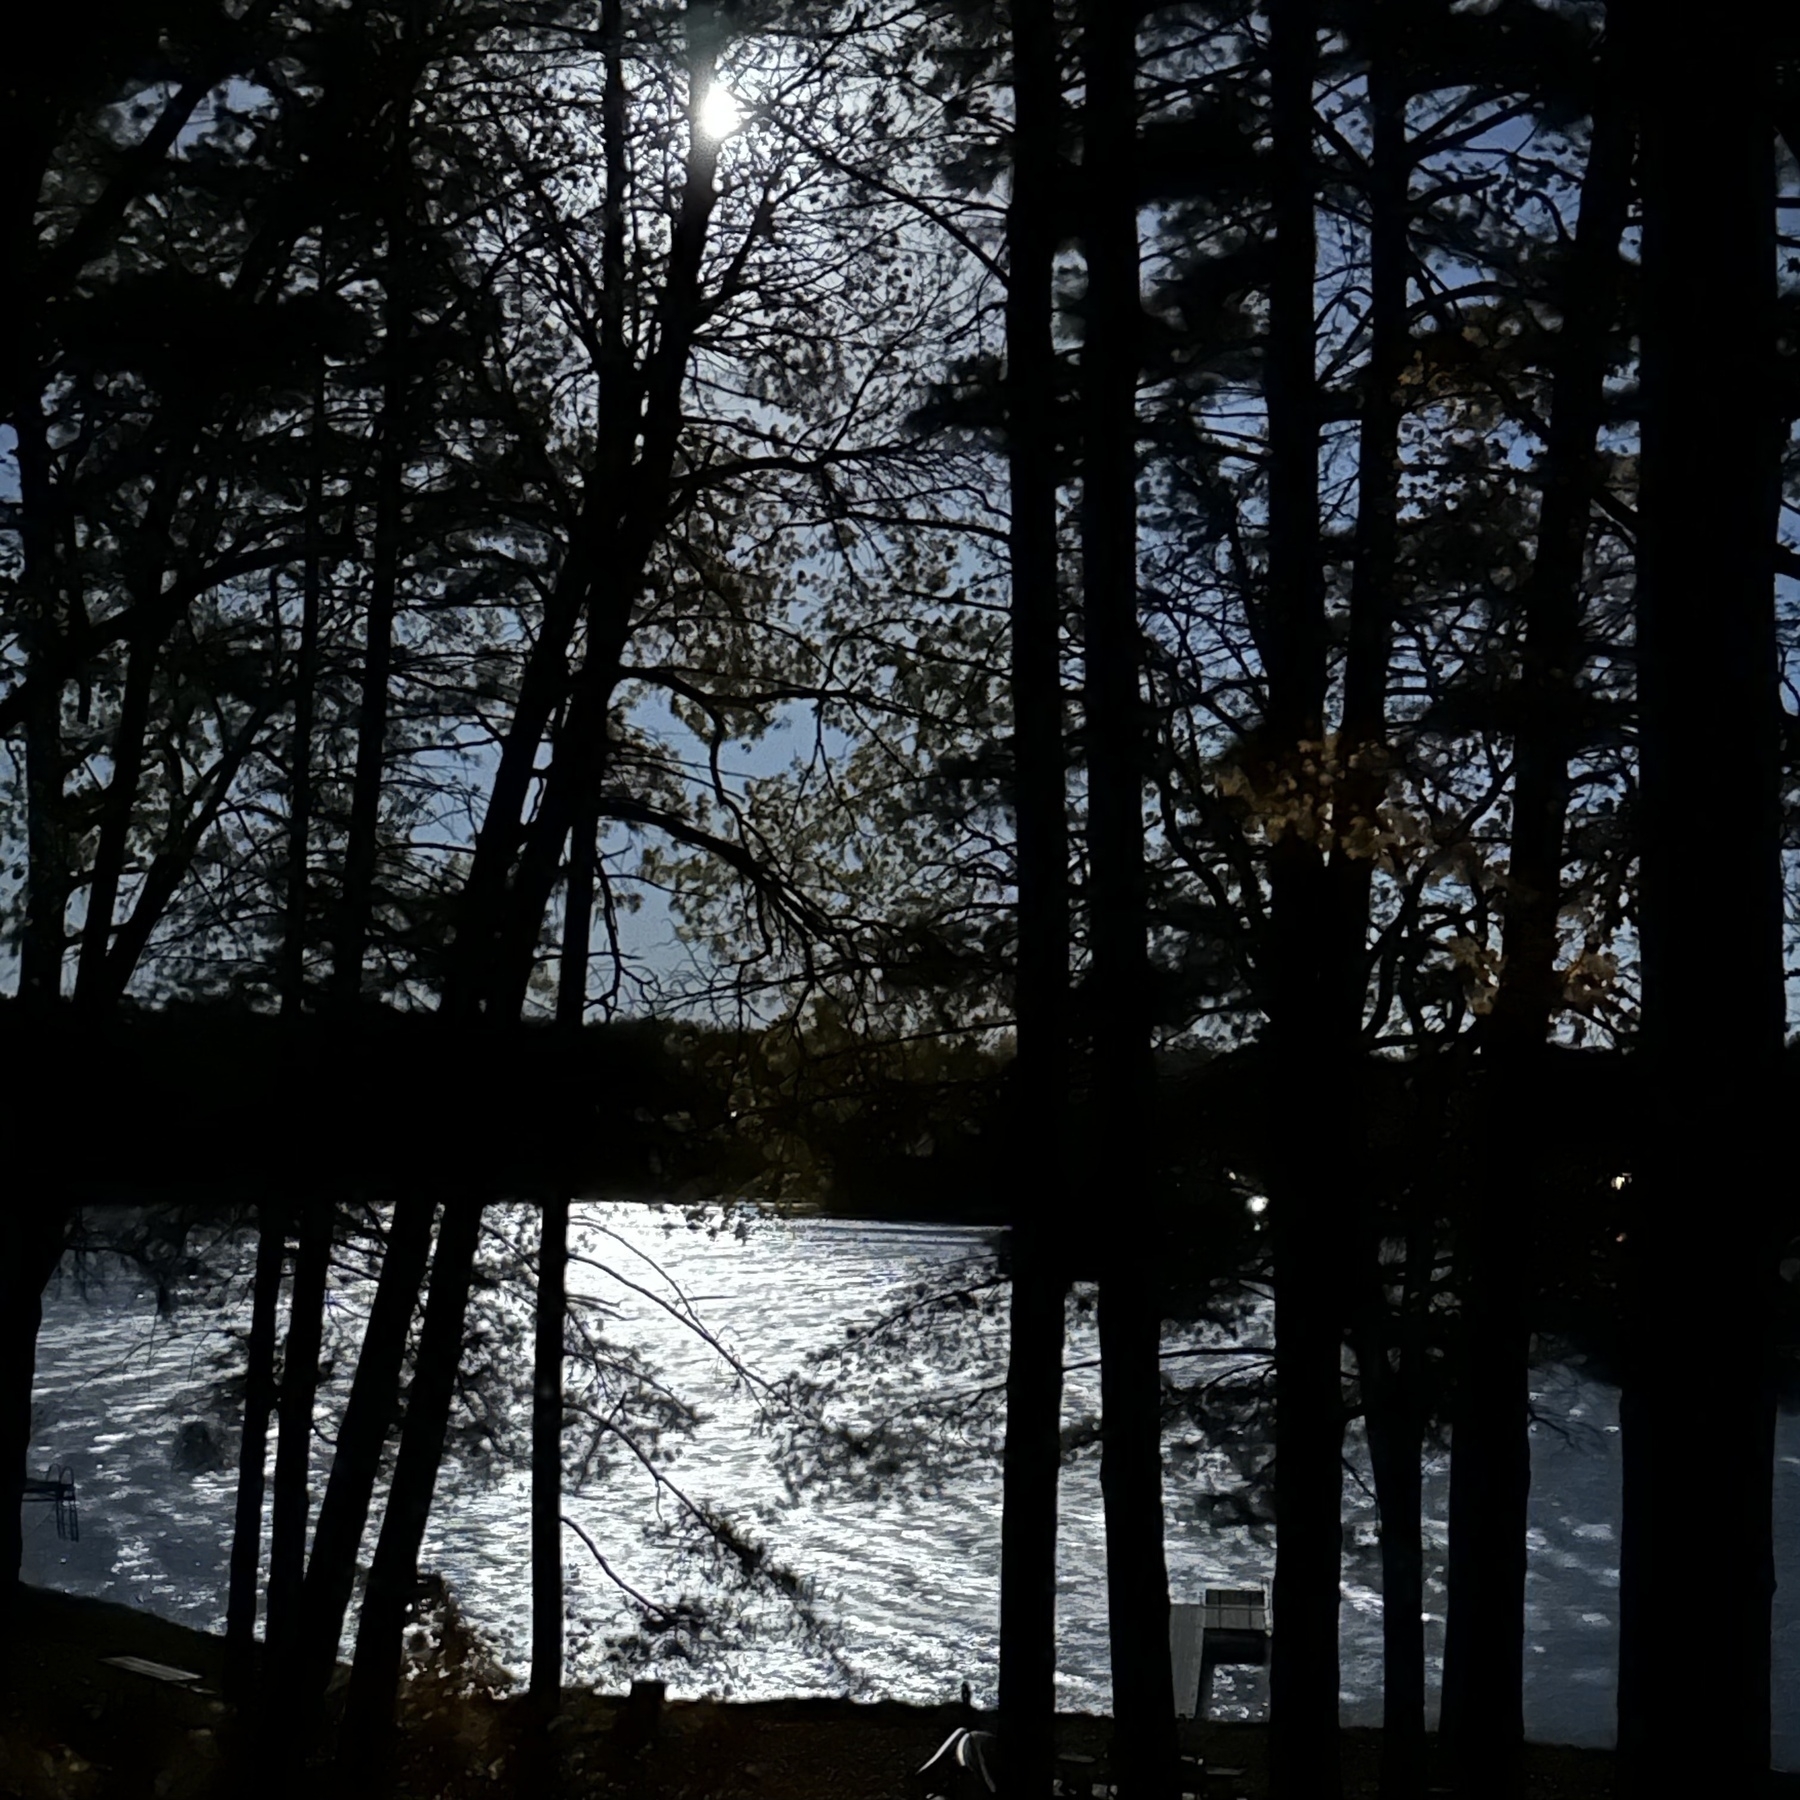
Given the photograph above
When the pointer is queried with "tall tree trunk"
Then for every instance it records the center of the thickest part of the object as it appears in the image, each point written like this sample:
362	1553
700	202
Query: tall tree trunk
390	521
1033	1453
1710	886
293	1451
259	1400
1303	1676
118	808
1130	1301
1393	1417
42	936
1483	1706
546	1460
393	1575
578	921
1360	776
368	1417
547	1351
300	786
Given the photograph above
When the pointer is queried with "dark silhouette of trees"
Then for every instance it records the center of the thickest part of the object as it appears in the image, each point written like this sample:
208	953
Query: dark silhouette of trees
1119	1081
1707	521
438	466
1033	1447
1309	1314
1484	1656
259	1402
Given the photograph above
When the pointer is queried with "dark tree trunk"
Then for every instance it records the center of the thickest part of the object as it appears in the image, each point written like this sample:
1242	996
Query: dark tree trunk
360	851
1130	1305
300	787
1393	1429
1033	1455
43	931
259	1401
546	1461
393	1575
368	1417
116	813
1307	1232
1710	889
1360	786
1490	1490
578	922
1483	1708
293	1451
1395	1413
119	806
1388	1365
1032	1468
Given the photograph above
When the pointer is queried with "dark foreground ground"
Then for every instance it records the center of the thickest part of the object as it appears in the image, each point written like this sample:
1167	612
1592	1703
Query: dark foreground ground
72	1725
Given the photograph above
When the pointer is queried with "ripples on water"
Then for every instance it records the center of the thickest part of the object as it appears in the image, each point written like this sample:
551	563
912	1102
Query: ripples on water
910	1576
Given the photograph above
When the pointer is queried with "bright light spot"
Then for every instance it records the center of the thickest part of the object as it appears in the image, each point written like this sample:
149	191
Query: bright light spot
1259	1203
1618	1181
720	114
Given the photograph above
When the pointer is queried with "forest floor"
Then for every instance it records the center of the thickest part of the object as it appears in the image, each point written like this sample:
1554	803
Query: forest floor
74	1726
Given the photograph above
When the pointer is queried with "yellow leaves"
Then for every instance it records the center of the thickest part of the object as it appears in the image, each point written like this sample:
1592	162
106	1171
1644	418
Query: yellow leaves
1303	795
1590	980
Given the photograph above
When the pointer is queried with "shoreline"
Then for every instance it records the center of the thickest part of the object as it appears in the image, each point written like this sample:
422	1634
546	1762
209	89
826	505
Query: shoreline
73	1727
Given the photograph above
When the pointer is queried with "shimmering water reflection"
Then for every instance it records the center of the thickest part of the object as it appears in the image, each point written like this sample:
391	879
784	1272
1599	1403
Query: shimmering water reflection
907	1571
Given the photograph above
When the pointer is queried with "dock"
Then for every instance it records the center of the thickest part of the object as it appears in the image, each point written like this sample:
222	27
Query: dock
1227	1625
55	1487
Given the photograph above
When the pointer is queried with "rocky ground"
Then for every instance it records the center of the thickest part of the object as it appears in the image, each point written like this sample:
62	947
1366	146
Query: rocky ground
73	1725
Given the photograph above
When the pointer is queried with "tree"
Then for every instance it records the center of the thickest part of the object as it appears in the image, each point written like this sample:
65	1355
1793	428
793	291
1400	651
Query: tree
259	1402
1483	1708
1308	1309
1707	524
1131	1305
1041	1074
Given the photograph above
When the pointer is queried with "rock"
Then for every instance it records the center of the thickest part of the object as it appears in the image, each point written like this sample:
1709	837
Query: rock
197	1450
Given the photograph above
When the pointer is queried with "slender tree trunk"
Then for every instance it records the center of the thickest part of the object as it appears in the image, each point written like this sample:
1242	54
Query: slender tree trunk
300	786
1394	1418
1130	1303
1710	888
116	814
1394	1457
259	1401
42	937
393	1575
1361	782
384	575
119	806
293	1451
368	1417
1307	1232
546	1461
578	922
1033	1454
1483	1705
553	1252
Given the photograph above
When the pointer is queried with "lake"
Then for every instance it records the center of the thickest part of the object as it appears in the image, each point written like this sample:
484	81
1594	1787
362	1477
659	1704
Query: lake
904	1567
